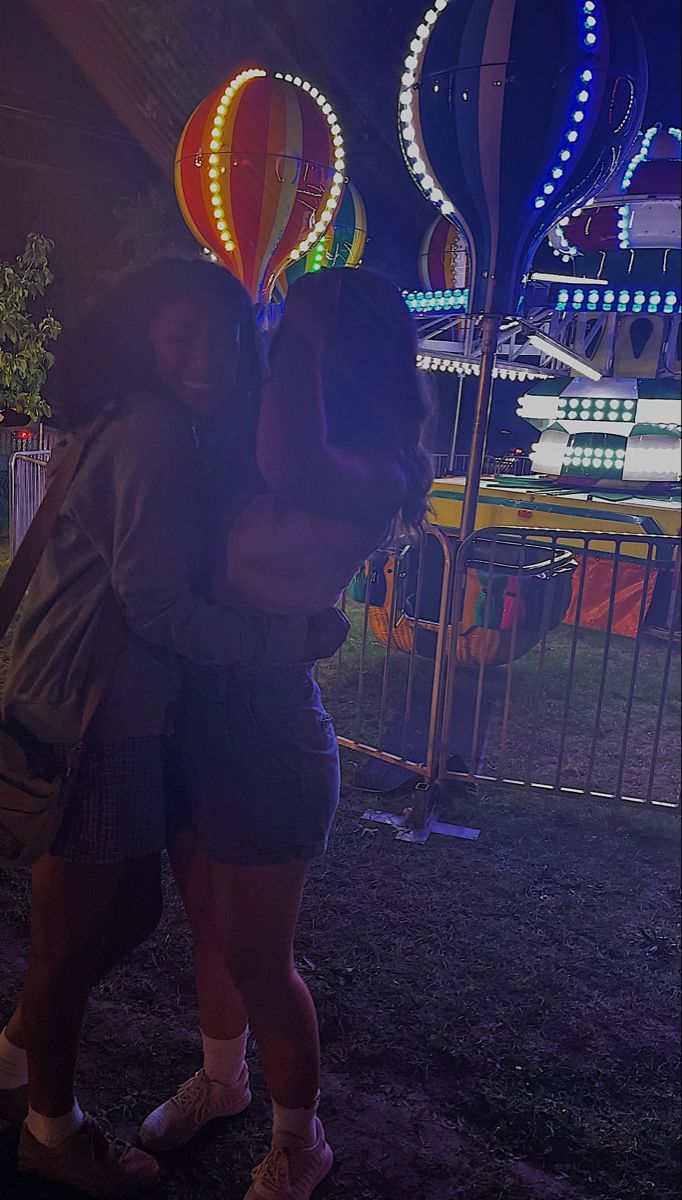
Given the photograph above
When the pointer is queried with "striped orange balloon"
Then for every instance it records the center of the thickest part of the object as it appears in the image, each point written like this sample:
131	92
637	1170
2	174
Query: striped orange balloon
259	174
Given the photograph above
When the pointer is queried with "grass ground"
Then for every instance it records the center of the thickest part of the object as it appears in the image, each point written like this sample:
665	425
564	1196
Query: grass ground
500	1018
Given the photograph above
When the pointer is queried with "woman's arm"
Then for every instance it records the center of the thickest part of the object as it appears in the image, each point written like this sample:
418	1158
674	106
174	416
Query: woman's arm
135	501
294	455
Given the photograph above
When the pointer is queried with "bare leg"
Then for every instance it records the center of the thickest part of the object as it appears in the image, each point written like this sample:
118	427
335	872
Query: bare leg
255	912
70	922
134	914
221	1009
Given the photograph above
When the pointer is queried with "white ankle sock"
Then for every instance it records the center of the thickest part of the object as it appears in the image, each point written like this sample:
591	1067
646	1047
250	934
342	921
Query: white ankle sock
13	1068
298	1123
224	1060
52	1131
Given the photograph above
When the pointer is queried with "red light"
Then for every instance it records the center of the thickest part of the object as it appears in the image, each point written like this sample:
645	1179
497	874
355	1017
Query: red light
24	434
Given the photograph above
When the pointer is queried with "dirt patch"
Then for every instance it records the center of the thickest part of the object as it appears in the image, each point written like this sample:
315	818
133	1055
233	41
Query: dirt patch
500	1019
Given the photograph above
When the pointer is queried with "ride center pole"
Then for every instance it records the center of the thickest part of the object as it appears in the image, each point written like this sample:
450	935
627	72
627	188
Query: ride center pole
455	430
484	396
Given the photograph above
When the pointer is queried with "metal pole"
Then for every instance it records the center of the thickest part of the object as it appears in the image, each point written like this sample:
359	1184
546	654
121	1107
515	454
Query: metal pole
491	329
458	411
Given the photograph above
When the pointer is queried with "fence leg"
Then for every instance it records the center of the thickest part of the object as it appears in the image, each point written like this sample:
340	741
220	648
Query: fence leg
419	818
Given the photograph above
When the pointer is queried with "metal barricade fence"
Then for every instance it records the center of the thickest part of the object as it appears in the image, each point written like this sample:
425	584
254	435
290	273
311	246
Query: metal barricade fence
457	464
27	482
386	688
593	707
516	659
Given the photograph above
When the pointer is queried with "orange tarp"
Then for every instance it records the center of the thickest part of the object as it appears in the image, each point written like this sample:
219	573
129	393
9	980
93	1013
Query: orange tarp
594	609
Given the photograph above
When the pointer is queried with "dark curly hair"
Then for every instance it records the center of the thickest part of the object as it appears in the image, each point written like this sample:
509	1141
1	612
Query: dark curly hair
109	355
374	394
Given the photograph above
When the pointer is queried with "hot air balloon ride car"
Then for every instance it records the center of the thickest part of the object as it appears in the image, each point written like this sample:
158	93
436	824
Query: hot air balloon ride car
259	174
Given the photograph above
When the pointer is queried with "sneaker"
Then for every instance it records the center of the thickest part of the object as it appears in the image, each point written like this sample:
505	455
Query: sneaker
197	1102
292	1172
13	1106
91	1161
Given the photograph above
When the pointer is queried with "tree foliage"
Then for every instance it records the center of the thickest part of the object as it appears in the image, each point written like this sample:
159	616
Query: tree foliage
25	337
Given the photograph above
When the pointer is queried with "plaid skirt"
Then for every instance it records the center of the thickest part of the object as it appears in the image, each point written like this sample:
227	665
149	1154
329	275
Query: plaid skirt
117	810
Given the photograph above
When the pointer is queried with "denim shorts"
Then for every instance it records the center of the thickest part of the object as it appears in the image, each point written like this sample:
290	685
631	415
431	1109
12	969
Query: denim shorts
259	764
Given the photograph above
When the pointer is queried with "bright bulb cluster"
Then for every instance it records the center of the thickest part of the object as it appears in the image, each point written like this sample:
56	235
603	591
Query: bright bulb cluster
625	300
641	156
215	171
578	299
318	257
589	409
451	366
409	112
566	251
426	302
332	204
596	458
581	99
624	222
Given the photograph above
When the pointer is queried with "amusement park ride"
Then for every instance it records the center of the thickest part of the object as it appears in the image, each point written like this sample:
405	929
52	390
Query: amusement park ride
554	259
602	300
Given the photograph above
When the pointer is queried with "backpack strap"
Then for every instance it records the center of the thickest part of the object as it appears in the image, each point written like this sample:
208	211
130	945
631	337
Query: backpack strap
25	562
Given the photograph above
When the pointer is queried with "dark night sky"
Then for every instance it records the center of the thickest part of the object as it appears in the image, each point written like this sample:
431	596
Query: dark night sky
356	50
65	162
353	50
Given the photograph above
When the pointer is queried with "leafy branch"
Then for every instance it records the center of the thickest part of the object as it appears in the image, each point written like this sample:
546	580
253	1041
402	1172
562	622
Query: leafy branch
25	358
